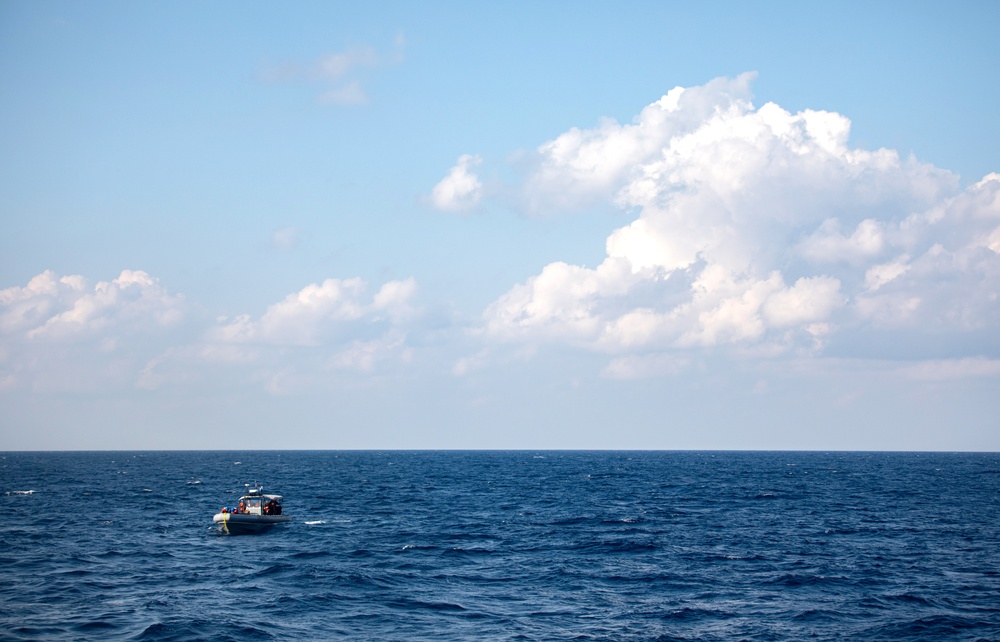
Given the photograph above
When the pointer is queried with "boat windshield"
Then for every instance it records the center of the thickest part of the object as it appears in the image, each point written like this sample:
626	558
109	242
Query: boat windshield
253	505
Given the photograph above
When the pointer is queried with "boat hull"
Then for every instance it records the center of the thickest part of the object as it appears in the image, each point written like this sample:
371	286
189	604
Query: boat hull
238	524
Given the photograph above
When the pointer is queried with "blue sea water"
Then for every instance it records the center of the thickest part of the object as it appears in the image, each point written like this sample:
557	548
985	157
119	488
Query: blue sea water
503	546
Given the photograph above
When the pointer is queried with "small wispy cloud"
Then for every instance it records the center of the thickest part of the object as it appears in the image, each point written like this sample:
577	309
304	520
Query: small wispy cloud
350	94
285	238
336	66
953	369
339	71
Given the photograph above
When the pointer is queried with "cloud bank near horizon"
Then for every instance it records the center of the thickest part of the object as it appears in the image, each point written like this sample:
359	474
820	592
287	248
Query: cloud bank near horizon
757	233
64	334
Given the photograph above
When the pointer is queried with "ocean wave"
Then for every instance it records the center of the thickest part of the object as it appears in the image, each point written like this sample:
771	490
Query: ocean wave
310	554
408	604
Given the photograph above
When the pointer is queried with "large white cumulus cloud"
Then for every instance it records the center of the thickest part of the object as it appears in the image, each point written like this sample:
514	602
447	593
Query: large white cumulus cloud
756	228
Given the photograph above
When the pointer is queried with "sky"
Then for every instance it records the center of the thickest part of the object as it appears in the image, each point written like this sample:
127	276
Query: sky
463	225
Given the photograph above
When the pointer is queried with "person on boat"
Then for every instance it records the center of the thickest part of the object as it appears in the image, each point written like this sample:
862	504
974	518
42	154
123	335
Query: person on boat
242	507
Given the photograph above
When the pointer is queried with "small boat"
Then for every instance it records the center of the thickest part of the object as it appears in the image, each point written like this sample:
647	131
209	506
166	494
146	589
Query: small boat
254	513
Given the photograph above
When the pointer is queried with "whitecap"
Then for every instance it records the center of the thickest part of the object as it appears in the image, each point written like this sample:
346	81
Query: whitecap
314	523
22	492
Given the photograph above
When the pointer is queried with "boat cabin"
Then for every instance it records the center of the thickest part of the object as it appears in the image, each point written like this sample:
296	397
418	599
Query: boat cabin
255	502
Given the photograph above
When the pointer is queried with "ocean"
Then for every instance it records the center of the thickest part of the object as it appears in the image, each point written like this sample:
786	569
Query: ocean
513	545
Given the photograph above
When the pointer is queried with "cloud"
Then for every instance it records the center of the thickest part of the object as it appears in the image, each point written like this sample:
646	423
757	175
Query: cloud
64	333
300	342
61	332
645	366
395	299
829	245
582	165
349	94
286	238
365	355
757	230
53	308
460	190
336	66
881	274
316	313
340	71
471	363
953	369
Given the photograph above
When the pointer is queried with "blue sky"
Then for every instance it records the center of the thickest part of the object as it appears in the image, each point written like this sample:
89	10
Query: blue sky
457	225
